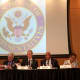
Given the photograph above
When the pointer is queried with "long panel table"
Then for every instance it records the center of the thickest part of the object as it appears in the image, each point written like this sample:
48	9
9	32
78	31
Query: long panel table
44	74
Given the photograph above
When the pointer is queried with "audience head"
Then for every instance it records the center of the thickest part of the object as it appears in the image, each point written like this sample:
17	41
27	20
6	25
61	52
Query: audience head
29	54
10	57
48	55
72	57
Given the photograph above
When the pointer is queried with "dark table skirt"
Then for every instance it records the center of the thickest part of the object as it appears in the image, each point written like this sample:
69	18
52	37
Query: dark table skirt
50	74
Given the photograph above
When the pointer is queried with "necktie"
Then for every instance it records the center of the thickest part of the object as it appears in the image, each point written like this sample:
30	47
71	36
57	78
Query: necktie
9	63
48	62
29	62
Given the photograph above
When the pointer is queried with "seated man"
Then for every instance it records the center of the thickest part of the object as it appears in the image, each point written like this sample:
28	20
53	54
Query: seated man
48	61
10	63
29	61
72	61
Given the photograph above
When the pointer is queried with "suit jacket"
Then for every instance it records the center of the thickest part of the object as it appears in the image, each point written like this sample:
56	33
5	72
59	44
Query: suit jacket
54	63
34	63
13	65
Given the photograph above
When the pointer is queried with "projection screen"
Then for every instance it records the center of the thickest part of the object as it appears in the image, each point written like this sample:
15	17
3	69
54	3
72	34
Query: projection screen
39	25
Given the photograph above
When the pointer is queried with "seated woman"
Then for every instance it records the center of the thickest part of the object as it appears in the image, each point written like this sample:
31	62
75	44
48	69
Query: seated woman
72	61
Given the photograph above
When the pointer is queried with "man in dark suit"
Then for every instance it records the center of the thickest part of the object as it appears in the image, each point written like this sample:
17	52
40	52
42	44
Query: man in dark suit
29	61
48	61
10	63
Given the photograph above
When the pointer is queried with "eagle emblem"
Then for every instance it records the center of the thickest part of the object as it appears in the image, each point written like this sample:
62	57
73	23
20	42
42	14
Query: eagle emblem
17	30
22	26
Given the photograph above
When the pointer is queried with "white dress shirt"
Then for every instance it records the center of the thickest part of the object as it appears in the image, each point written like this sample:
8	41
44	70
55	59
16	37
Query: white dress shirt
48	62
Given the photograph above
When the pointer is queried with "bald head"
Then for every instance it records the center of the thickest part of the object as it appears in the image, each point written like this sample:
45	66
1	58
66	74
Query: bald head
48	55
